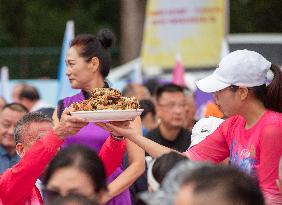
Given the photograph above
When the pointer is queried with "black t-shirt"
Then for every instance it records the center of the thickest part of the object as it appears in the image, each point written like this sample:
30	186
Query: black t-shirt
181	142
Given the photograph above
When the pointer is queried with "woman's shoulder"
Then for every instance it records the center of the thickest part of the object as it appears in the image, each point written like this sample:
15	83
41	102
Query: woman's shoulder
65	102
271	127
233	120
71	99
273	118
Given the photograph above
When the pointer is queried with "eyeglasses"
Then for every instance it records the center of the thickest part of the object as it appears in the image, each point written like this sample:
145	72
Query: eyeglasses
172	105
49	195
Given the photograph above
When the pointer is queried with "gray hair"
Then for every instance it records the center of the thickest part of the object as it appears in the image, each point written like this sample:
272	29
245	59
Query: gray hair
23	124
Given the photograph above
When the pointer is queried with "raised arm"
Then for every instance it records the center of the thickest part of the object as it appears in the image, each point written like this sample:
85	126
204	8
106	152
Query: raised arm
111	154
17	182
136	158
121	128
214	148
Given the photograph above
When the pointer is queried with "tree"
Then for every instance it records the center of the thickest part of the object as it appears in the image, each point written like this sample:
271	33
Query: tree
132	20
37	27
252	16
31	24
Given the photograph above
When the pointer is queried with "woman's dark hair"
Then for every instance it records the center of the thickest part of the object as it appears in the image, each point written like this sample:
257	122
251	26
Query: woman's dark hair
271	94
82	158
273	97
90	46
165	163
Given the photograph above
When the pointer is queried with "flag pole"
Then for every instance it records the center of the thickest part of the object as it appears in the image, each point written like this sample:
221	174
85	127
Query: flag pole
64	88
5	82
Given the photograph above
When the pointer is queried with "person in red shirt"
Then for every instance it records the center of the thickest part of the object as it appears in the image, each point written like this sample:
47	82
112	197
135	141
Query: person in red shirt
37	142
252	135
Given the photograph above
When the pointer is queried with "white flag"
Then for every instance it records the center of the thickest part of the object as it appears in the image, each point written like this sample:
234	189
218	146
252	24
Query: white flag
224	48
137	73
64	87
5	82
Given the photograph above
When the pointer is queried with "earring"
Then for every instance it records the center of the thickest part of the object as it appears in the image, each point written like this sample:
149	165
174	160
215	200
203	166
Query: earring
159	121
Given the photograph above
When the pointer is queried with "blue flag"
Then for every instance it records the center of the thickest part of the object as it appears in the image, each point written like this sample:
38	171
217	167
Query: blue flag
64	87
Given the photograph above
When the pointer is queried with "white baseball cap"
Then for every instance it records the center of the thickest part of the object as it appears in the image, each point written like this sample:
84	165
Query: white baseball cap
203	128
171	183
241	68
152	182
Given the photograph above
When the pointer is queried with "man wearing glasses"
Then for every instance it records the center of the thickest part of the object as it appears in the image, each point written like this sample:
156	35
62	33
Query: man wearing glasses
170	107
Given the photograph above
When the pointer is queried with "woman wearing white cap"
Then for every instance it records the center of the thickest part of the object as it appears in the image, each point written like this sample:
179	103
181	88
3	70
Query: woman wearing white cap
252	135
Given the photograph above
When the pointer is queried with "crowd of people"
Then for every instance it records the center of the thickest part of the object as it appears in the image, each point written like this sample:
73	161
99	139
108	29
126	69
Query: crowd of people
48	156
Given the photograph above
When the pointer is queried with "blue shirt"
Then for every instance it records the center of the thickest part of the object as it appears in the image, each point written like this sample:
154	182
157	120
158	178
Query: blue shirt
6	160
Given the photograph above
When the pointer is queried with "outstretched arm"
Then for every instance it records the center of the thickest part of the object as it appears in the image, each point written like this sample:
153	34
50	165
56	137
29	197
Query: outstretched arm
152	148
111	154
121	128
17	182
136	158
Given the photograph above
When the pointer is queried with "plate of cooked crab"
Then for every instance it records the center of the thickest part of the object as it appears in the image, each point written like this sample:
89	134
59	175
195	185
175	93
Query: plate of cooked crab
107	104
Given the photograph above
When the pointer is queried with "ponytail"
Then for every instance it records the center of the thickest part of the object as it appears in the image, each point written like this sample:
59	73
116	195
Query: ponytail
273	98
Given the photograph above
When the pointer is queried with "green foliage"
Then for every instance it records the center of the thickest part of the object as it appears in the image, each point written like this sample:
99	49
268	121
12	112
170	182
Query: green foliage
257	16
41	23
39	26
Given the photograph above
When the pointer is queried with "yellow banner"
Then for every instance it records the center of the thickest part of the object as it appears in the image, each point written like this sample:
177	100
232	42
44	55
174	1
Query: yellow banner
192	28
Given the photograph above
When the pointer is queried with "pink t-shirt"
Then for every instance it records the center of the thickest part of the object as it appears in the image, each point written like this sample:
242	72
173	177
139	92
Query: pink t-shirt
256	150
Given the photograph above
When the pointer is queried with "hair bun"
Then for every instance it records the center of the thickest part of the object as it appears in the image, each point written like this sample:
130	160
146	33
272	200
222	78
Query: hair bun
106	37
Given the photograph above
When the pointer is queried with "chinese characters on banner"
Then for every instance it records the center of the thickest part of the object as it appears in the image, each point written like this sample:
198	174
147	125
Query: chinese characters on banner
192	28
